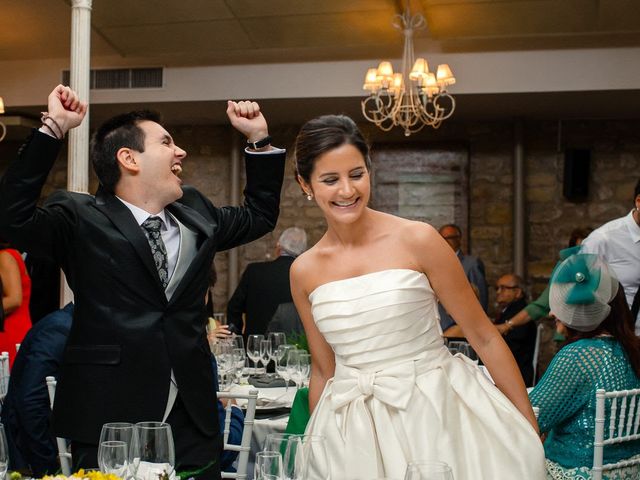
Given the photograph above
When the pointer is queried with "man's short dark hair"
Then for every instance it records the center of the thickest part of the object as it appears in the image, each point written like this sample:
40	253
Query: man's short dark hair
118	132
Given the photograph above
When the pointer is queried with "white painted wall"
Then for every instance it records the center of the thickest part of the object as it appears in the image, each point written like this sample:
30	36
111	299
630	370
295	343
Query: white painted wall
24	83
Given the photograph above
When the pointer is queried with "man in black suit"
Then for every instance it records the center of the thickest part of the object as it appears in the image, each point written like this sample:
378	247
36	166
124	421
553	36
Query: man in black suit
137	257
521	340
265	285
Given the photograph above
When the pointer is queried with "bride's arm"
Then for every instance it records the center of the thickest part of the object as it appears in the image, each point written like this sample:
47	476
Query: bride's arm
323	363
448	280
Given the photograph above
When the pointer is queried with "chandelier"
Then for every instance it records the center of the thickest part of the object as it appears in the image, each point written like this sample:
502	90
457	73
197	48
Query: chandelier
413	98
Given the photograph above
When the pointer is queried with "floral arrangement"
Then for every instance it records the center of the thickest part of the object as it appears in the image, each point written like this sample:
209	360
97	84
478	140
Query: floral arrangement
84	475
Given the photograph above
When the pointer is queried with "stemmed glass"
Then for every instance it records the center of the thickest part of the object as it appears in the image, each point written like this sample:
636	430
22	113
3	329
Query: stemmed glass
4	453
293	362
276	339
306	457
113	457
152	450
253	349
302	368
239	359
265	353
268	466
281	364
428	471
112	438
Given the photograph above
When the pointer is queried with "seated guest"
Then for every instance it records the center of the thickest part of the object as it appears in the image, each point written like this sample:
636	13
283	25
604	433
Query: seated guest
602	352
521	340
265	285
26	410
16	293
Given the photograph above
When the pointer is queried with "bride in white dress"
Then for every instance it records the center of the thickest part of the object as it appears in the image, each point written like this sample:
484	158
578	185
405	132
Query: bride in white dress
384	389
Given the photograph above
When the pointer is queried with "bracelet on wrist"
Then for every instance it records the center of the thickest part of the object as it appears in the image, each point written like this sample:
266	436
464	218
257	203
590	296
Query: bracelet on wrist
60	133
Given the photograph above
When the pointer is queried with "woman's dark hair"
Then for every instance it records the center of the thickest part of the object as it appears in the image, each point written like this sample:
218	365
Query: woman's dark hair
323	134
114	134
621	325
579	233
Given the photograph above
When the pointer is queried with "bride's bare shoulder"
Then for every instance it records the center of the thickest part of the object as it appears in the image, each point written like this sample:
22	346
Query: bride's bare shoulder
410	229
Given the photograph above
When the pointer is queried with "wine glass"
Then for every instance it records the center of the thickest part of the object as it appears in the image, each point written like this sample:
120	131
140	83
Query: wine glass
237	341
428	471
253	348
306	457
117	432
276	339
301	368
152	449
268	466
293	359
265	353
113	457
239	358
277	442
4	453
281	364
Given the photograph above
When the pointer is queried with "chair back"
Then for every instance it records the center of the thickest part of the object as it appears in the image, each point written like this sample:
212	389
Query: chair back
624	426
63	449
536	353
245	445
4	375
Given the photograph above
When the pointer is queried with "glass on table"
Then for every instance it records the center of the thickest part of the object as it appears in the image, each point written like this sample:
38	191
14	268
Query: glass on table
153	451
113	457
428	471
268	466
237	341
302	368
117	432
4	453
306	457
253	348
276	339
281	363
265	353
277	442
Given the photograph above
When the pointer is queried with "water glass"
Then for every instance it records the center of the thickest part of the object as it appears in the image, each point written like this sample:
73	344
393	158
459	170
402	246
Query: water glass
428	471
306	457
113	457
4	453
277	442
268	466
152	450
220	318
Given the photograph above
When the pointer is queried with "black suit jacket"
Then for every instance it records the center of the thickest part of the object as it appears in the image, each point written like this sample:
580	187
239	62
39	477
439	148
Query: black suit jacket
126	336
261	289
521	340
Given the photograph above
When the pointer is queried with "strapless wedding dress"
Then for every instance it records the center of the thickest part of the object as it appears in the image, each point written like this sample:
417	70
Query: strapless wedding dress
398	395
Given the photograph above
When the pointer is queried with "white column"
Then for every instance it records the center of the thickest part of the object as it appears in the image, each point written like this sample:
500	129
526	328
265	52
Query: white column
78	166
78	159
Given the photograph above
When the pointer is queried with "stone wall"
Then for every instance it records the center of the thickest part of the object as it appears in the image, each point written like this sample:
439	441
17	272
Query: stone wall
615	158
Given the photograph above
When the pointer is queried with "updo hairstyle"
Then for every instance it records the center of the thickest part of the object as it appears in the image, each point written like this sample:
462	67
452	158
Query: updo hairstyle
322	134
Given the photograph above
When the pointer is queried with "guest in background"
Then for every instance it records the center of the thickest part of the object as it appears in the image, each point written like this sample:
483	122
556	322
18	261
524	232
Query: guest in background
265	285
510	298
286	319
473	269
26	410
602	352
618	242
16	292
539	308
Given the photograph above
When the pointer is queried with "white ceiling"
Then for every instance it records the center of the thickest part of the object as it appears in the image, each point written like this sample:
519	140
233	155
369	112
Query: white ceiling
212	32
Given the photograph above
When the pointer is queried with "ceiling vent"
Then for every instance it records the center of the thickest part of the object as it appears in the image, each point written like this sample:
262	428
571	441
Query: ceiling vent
122	78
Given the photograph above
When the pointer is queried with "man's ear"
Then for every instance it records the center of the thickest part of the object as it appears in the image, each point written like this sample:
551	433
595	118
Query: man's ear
127	160
637	202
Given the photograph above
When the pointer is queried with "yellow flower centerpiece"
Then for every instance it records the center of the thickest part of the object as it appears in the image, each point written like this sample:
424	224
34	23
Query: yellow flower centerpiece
84	475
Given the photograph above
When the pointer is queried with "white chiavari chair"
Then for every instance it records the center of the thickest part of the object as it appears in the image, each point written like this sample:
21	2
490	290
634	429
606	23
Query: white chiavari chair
245	444
624	426
63	449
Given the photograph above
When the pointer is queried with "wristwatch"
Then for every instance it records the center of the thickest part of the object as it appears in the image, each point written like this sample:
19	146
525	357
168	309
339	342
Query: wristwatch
260	143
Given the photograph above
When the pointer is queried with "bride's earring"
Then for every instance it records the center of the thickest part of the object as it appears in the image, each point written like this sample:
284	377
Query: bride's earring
308	195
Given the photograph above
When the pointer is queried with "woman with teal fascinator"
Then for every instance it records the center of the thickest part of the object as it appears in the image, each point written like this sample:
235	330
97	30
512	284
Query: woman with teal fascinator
602	351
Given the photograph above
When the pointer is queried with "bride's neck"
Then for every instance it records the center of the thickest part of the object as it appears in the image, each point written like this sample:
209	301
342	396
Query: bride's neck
355	233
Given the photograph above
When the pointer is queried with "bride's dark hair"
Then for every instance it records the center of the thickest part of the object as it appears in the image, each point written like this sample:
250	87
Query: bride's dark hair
323	134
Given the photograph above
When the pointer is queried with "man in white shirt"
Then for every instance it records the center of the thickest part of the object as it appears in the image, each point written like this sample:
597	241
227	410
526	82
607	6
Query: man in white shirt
618	242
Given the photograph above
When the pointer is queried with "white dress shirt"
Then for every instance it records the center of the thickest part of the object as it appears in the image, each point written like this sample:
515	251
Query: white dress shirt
618	242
